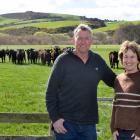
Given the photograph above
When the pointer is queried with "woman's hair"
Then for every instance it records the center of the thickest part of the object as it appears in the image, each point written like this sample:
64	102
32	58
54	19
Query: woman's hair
129	45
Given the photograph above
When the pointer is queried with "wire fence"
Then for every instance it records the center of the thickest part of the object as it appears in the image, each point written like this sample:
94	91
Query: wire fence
103	129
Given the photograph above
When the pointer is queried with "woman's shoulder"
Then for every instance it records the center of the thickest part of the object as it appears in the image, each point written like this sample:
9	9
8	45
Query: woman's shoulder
126	75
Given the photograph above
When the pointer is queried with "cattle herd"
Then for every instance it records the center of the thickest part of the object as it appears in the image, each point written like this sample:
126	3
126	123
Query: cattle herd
43	56
32	56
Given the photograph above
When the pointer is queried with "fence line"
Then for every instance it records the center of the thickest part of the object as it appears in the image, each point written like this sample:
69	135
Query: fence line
105	99
30	118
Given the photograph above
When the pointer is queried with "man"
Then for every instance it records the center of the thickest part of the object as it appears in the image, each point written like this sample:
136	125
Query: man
71	96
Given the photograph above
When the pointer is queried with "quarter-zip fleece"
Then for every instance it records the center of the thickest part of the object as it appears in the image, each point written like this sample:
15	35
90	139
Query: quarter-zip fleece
72	87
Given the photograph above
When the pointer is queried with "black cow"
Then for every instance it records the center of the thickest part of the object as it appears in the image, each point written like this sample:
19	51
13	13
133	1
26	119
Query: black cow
113	59
13	55
20	56
32	55
2	55
56	52
48	57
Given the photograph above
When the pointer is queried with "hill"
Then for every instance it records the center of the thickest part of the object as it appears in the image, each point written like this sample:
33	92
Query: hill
114	25
41	28
30	15
53	28
44	20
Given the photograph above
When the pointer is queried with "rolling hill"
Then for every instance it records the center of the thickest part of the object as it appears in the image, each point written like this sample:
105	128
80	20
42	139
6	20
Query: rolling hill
53	28
112	26
45	20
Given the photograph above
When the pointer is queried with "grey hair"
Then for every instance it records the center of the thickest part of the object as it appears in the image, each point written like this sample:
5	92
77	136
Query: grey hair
82	27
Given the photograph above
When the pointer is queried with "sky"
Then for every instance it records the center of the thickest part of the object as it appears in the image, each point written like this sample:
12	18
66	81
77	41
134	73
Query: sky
102	9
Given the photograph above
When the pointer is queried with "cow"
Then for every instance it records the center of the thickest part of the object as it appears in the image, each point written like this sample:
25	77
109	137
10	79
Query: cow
43	56
2	55
55	53
113	59
20	56
12	55
32	55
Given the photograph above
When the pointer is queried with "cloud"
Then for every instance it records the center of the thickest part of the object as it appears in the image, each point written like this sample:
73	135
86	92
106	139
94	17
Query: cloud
108	13
118	3
109	9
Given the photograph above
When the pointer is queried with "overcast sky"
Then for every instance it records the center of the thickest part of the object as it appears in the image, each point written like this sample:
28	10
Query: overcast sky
103	9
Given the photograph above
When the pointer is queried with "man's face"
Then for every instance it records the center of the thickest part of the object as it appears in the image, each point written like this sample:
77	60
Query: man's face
83	41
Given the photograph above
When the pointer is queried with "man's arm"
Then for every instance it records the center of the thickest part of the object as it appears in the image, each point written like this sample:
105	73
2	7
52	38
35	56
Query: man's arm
108	76
54	82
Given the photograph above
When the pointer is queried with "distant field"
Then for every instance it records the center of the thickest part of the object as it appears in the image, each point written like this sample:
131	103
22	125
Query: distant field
22	89
6	21
111	26
43	24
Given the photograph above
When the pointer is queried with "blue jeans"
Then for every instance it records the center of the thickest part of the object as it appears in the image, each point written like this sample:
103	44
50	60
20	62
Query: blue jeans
77	132
125	134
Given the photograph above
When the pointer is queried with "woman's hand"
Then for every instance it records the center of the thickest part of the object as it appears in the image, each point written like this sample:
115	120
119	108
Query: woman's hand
115	134
135	137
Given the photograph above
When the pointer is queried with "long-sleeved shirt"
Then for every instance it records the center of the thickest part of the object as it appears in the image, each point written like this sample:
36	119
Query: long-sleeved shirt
72	87
126	105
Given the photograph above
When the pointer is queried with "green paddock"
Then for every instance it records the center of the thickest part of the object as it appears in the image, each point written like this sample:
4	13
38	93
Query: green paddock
22	90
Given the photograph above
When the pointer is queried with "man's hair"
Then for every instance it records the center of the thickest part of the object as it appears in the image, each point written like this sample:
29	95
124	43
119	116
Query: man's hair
129	45
82	27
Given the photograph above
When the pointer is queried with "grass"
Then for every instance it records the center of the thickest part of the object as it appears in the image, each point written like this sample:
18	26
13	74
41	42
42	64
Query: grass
103	128
4	21
56	24
112	26
22	89
22	83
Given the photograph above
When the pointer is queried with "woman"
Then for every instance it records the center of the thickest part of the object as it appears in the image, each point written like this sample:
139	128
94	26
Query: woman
125	121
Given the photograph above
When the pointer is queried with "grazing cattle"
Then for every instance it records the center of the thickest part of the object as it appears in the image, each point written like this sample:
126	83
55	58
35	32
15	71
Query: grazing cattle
43	56
48	57
12	55
9	53
20	56
55	53
113	59
32	55
2	55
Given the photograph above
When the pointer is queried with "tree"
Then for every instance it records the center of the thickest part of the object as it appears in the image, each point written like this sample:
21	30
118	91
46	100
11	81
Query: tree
127	32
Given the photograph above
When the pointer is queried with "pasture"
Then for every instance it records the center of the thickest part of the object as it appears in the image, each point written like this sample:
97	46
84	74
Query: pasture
22	89
112	26
43	24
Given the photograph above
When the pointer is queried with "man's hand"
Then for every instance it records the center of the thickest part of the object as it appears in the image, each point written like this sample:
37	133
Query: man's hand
58	126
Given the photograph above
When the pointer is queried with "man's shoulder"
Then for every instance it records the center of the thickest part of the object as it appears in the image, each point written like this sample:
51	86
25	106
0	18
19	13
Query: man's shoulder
96	56
63	56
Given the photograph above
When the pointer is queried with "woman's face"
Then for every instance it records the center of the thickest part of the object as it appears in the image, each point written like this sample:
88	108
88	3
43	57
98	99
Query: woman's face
130	61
